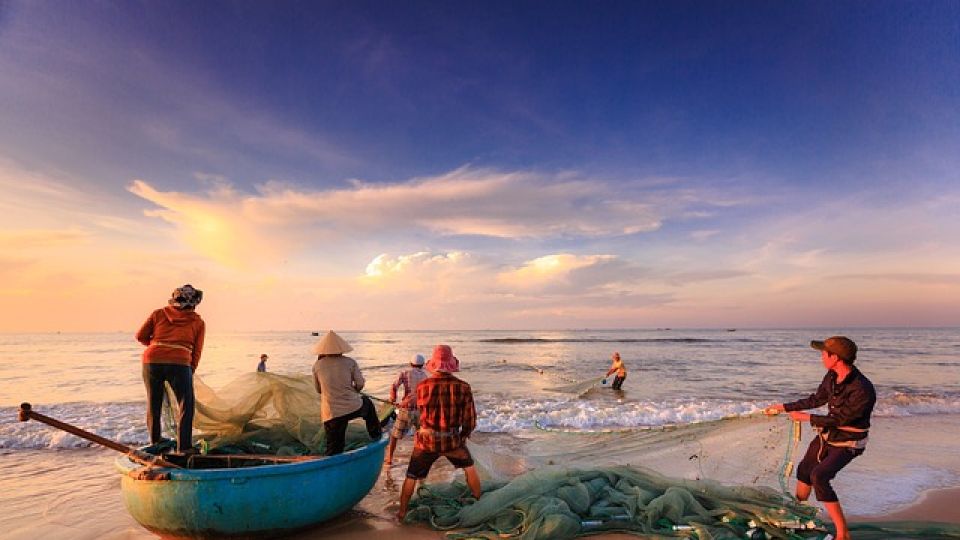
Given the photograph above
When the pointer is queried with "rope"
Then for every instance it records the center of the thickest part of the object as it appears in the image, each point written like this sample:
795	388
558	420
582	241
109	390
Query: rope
793	436
375	398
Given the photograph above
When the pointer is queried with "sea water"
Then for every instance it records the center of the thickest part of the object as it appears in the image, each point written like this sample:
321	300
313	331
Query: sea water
675	377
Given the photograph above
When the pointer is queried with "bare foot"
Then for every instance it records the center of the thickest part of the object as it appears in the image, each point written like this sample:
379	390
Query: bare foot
400	516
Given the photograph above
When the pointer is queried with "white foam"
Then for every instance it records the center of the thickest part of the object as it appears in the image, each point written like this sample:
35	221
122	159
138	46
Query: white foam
122	422
519	415
125	421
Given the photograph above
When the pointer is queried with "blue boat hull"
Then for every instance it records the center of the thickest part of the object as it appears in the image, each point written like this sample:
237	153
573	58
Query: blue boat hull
251	501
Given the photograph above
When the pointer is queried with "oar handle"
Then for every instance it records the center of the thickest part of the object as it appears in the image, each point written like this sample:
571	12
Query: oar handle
26	412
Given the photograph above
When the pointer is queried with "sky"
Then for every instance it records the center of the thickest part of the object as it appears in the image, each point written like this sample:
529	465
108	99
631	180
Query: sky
480	165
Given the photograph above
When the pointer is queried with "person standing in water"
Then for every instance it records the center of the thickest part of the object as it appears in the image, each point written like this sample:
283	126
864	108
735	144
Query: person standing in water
262	366
850	398
407	414
174	337
618	368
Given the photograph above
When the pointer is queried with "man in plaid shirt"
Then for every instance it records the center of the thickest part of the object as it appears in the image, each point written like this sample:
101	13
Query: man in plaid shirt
447	418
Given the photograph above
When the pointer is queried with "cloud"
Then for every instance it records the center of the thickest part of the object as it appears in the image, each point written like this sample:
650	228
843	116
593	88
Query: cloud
230	226
568	274
215	225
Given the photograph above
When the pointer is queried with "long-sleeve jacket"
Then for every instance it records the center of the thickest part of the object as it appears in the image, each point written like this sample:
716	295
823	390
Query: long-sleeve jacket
338	381
172	336
849	404
447	413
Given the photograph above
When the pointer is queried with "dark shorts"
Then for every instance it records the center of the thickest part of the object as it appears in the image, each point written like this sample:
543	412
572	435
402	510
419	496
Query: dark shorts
821	463
421	461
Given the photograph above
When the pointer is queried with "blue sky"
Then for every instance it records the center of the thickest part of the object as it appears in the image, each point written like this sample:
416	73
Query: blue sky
672	161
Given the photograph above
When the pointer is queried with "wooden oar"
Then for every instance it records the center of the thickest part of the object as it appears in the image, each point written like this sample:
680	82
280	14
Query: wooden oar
27	413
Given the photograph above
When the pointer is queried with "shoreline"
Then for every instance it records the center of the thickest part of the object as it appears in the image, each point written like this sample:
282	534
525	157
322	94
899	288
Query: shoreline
936	505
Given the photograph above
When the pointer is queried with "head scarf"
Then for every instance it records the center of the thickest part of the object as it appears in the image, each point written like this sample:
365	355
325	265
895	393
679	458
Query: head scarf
417	360
185	297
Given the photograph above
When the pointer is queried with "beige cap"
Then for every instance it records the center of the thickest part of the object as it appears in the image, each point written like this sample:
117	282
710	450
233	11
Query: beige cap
332	344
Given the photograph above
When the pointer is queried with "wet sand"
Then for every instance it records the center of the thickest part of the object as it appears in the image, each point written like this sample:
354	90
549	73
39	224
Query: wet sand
934	505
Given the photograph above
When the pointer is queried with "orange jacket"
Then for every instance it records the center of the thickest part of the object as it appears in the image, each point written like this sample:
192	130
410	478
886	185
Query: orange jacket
172	337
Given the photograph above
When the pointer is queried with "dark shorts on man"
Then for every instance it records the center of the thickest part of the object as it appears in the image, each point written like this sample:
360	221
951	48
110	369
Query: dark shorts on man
618	381
821	464
421	461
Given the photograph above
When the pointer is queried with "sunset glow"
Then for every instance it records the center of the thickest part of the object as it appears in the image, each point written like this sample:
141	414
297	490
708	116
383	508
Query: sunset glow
367	173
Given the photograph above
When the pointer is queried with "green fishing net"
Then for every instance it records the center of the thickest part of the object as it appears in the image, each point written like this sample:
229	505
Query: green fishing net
558	503
554	503
265	413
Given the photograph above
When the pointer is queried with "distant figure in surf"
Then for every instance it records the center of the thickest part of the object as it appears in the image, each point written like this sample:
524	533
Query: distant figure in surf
338	380
262	366
447	418
618	368
849	397
174	339
408	416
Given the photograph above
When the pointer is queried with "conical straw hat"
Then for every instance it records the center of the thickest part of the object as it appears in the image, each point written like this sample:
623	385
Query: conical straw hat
332	344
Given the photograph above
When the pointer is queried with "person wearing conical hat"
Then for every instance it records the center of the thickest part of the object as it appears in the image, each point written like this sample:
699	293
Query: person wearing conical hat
338	380
447	418
407	413
174	338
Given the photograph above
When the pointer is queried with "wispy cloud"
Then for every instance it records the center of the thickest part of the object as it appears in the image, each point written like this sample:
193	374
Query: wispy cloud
228	225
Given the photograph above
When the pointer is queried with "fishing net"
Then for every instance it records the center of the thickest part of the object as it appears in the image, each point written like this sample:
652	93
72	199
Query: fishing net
558	503
716	479
577	387
265	413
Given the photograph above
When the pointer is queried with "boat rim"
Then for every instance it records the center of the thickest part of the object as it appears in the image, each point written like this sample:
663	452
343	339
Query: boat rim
126	465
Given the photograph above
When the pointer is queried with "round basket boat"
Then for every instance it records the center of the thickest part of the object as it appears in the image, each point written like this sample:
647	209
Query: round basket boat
249	501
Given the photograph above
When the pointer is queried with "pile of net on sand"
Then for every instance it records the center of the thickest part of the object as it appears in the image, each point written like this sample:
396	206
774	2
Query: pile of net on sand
265	413
556	504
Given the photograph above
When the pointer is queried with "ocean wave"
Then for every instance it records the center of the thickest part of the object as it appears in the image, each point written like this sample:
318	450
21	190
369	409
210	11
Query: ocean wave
585	414
121	422
124	422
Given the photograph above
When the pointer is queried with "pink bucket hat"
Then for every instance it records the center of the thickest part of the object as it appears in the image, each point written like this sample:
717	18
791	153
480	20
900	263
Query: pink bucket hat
443	360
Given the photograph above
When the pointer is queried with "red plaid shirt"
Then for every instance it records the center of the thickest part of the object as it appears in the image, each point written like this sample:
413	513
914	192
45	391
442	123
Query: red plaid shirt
447	413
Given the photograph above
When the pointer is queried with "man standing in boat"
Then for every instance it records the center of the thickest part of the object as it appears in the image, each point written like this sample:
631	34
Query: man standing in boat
174	338
447	418
338	380
850	398
407	413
